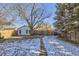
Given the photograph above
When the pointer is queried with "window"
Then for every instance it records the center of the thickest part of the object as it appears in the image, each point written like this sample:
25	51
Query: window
26	31
20	31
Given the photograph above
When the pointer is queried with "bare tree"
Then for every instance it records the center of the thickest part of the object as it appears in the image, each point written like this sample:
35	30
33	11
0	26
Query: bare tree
33	14
5	14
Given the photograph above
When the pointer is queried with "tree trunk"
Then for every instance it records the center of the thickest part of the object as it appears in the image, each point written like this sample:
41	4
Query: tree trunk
43	51
31	30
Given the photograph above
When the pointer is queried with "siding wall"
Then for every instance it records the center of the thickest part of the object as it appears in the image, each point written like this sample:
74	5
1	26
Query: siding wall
23	31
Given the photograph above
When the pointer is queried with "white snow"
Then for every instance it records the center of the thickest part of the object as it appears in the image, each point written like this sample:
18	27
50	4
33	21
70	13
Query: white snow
31	47
57	47
20	47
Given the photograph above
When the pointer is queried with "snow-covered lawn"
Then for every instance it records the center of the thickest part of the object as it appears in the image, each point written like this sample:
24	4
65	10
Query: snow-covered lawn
20	47
57	47
31	47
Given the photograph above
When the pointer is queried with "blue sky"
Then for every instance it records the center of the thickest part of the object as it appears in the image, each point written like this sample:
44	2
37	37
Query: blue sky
50	7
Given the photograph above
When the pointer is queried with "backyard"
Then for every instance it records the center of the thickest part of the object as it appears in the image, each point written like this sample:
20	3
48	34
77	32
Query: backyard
35	29
47	45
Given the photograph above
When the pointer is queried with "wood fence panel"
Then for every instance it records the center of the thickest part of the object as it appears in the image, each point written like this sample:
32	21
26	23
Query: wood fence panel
77	36
73	36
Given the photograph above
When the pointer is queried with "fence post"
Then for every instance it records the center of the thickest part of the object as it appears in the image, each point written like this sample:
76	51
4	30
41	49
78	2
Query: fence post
75	36
70	35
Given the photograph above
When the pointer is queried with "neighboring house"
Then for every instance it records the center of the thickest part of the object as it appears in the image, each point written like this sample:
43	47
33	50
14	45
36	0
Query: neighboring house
23	30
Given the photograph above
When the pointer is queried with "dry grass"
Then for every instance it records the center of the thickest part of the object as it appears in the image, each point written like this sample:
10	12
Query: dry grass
7	33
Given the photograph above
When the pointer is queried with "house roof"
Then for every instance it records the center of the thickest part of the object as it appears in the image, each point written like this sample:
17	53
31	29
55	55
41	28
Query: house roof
22	26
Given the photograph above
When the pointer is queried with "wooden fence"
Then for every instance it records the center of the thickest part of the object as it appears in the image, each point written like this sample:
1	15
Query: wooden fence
72	36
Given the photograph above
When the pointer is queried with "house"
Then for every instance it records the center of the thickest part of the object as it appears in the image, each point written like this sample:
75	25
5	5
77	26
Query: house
23	30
